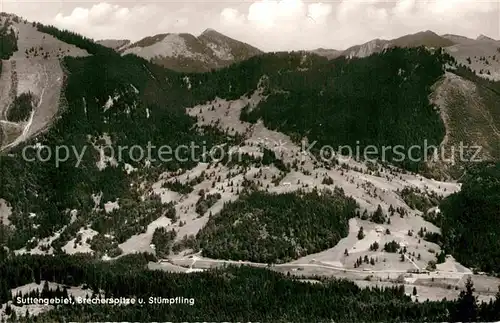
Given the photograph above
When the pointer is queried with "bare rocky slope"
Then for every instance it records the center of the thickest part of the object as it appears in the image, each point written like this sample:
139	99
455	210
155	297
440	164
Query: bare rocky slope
187	53
34	68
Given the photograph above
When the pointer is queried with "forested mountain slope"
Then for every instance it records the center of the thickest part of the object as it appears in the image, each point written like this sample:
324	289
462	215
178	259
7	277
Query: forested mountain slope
128	101
85	120
481	55
381	100
277	228
470	219
275	204
469	108
425	38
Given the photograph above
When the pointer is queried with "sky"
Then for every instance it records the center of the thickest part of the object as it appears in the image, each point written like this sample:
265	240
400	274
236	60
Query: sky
267	24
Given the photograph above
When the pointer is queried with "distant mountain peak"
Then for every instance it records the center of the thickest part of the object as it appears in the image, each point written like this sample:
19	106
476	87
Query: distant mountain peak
210	31
185	52
484	37
426	38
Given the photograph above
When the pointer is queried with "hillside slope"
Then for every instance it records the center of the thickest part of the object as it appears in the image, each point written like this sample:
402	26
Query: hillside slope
359	102
124	101
481	55
469	109
426	38
32	70
187	53
264	110
470	219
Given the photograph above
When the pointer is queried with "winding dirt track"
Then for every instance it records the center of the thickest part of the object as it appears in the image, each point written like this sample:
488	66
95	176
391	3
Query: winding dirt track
36	67
431	286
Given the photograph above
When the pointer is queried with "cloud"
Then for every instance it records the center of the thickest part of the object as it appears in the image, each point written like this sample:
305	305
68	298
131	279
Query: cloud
283	22
403	8
269	13
231	17
295	24
110	20
319	11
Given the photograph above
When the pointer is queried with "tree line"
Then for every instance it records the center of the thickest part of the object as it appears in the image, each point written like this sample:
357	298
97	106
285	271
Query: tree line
470	221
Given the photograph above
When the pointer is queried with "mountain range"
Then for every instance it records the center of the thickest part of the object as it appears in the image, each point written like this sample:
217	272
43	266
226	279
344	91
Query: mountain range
185	52
211	50
481	55
425	38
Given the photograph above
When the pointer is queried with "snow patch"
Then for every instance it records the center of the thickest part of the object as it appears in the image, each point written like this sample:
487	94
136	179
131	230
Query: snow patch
111	206
129	168
187	81
104	160
5	212
111	101
108	103
82	246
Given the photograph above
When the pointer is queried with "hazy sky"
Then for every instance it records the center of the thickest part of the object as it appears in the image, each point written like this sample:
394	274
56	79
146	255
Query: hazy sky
268	24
